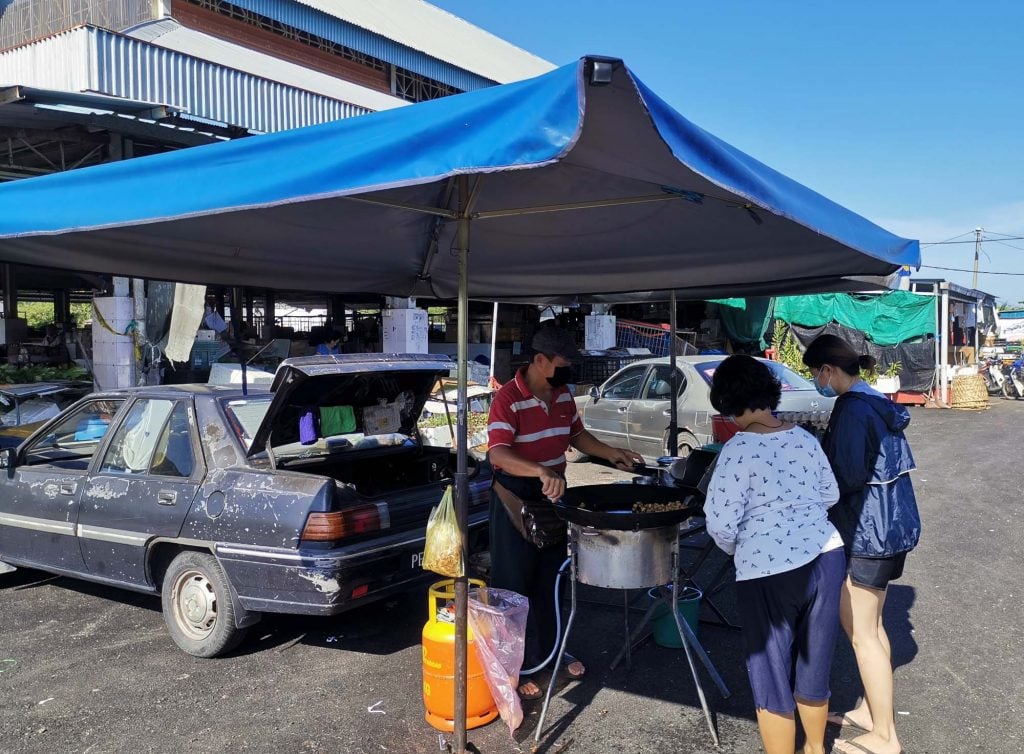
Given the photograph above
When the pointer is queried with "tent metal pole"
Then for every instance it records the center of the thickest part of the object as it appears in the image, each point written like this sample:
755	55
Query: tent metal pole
461	468
494	337
944	334
673	405
596	204
236	323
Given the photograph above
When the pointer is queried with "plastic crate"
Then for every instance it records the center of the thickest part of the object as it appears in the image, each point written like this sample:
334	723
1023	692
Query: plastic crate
594	370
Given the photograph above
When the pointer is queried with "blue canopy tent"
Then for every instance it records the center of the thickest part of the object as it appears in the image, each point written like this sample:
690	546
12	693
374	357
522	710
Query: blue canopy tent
580	181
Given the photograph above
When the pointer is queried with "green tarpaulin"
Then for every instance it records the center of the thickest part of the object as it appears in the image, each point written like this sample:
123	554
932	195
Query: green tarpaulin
886	319
745	319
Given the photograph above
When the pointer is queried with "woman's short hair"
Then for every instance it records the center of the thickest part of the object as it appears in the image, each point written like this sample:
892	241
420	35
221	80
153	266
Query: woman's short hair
741	383
831	349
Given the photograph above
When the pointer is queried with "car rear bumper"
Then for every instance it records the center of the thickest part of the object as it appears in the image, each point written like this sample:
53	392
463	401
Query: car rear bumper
327	582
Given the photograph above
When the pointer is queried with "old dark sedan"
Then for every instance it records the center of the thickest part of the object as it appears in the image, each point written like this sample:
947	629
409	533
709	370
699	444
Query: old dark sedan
308	498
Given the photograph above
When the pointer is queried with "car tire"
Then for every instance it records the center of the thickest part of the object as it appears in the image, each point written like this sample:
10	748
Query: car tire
574	456
685	444
196	598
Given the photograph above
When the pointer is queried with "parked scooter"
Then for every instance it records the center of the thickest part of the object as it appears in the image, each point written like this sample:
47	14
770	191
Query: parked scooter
1013	384
992	371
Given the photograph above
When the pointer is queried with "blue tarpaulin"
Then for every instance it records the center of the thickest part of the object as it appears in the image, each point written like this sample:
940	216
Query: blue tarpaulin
579	183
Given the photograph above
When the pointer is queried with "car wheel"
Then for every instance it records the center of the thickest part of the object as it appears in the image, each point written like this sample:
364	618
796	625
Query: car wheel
197	605
685	444
574	456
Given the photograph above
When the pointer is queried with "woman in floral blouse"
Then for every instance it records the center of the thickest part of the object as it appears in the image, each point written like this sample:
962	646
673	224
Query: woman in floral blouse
767	506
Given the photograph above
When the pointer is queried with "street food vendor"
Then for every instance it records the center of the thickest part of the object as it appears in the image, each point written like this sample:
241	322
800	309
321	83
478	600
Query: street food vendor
533	421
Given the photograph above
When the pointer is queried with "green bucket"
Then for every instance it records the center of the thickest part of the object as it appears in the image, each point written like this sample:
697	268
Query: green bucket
666	633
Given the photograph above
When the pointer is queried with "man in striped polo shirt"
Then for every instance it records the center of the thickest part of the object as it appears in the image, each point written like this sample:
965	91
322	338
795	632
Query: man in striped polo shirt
532	423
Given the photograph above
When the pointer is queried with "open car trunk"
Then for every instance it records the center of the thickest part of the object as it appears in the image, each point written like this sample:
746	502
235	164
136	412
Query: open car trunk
353	418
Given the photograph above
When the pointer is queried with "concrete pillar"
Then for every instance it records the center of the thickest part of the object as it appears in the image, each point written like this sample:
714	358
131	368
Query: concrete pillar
62	307
10	283
269	319
405	326
250	307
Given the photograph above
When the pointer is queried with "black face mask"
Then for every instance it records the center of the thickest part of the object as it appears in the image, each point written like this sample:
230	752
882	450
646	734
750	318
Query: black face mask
561	377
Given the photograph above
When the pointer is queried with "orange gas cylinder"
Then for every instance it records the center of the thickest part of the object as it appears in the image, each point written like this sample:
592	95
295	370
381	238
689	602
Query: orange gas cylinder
439	665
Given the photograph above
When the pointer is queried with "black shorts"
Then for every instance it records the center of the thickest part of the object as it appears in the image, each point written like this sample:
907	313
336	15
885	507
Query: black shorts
876	573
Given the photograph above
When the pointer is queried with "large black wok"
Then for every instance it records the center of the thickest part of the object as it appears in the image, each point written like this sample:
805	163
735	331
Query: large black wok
610	506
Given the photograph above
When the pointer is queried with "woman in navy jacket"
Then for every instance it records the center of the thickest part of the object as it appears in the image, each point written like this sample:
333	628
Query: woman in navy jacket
878	519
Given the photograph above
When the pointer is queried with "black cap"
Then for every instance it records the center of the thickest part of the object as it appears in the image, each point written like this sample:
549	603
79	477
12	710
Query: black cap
554	341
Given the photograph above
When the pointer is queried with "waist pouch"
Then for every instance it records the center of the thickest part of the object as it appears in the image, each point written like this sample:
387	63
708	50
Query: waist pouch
535	520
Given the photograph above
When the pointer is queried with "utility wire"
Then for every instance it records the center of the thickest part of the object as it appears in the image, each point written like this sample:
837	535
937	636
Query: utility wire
1007	235
971	240
934	243
1008	245
980	272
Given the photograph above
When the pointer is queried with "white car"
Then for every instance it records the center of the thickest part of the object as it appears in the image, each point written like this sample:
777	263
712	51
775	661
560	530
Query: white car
631	409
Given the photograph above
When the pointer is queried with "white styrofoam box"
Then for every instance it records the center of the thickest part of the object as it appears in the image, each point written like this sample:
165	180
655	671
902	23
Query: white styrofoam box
100	336
124	375
103	376
115	307
124	352
110	376
405	331
600	332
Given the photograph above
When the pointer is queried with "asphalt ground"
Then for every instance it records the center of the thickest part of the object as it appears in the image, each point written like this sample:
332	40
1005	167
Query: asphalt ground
85	668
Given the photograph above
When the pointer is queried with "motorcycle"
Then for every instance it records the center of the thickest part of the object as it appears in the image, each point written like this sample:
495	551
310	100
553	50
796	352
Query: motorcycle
1013	384
992	371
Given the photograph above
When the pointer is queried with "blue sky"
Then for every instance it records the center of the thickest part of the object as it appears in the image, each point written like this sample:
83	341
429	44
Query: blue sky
910	113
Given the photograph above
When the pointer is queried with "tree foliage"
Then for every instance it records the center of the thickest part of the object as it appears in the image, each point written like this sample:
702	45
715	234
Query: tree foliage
38	314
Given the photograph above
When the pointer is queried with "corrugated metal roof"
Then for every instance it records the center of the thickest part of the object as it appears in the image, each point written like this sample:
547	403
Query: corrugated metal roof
90	59
440	34
171	35
412	34
29	107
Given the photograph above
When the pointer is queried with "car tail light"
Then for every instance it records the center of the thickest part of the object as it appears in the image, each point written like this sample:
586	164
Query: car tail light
722	429
330	527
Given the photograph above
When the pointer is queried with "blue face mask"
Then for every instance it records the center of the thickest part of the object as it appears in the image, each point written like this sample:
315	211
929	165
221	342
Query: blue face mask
827	391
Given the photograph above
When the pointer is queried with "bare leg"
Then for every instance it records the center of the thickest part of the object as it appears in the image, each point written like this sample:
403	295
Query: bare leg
778	732
860	715
873	651
812	718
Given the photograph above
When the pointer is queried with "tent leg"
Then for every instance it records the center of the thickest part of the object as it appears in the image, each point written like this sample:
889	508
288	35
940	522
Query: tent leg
672	447
461	469
494	337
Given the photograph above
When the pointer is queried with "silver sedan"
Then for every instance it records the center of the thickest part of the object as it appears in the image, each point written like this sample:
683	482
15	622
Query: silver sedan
631	409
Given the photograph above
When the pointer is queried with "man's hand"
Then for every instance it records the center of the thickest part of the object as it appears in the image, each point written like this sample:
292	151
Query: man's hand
552	485
623	459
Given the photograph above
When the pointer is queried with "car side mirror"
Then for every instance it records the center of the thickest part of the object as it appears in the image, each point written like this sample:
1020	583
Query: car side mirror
8	458
594	393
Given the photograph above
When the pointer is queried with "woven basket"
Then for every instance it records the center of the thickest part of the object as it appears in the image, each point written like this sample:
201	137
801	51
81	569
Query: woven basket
970	393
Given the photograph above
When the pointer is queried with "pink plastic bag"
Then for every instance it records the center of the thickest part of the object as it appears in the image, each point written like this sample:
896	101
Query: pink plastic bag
497	618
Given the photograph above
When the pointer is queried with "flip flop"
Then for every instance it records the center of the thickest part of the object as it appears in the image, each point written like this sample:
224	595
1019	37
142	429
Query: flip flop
847	721
567	661
856	745
532	696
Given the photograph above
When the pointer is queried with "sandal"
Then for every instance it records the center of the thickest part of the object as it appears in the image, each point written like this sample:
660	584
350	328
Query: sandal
568	661
529	696
845	721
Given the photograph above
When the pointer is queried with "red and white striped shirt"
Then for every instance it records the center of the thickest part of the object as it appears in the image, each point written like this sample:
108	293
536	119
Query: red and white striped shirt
535	431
